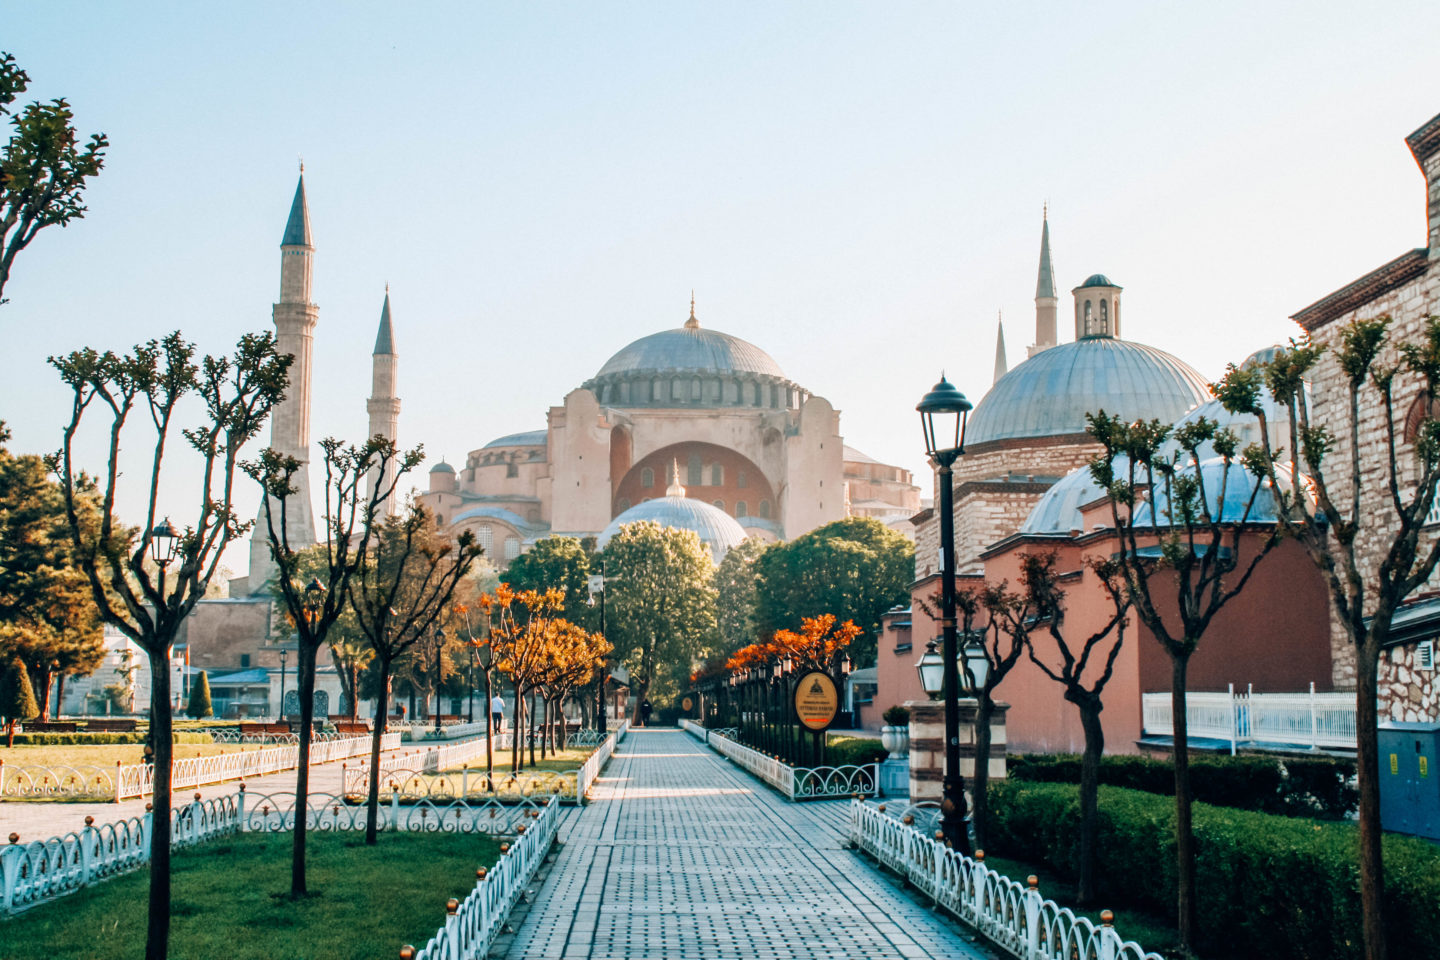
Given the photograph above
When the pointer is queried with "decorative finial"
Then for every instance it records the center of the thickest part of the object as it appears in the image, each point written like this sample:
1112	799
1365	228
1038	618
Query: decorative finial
675	490
387	288
1045	211
302	164
692	323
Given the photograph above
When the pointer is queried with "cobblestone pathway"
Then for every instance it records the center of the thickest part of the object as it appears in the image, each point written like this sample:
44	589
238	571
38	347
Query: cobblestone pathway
682	855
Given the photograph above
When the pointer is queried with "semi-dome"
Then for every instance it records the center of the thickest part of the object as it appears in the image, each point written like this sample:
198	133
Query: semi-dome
717	529
1049	394
530	438
691	349
1058	511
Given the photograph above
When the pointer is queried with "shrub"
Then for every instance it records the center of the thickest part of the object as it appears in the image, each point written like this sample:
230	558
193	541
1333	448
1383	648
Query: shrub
840	751
100	739
1269	886
896	716
1292	786
199	705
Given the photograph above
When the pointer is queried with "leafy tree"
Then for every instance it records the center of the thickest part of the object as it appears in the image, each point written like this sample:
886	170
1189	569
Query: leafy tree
315	606
856	569
1084	668
236	395
660	602
43	168
1364	536
737	593
199	705
556	563
17	699
1182	557
404	585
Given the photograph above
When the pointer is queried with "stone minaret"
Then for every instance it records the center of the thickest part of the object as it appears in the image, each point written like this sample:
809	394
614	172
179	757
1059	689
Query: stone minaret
1047	304
383	406
1002	366
295	316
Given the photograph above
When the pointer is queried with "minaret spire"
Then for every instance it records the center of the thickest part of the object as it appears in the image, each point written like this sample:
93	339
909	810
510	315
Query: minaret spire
383	405
1047	304
1001	366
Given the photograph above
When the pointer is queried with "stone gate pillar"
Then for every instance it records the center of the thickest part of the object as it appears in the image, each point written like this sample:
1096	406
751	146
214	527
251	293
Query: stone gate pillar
927	745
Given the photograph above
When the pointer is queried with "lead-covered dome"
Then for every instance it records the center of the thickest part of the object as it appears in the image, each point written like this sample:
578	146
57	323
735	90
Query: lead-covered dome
717	529
692	350
1049	394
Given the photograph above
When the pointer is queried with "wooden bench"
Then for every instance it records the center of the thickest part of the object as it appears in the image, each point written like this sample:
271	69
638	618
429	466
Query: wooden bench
357	729
111	726
261	729
52	726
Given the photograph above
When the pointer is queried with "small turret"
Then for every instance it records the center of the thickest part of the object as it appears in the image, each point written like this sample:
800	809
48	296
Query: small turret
1097	307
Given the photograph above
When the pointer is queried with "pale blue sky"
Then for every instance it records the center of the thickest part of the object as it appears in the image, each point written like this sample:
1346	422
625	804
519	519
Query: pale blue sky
855	187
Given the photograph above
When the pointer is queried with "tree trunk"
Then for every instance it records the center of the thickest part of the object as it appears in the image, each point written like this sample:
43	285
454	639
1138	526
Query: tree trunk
1367	765
9	732
305	664
382	706
517	731
980	778
157	931
354	689
59	694
545	728
1184	833
44	687
1089	796
530	710
489	737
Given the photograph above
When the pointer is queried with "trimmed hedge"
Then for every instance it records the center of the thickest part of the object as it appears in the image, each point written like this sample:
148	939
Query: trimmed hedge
100	739
840	751
1290	786
1268	886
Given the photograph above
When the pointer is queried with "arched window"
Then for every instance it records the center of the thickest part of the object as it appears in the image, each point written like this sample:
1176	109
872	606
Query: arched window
486	536
718	504
764	509
625	392
1086	326
655	391
512	548
1104	316
677	391
740	509
622	505
511	470
717	475
647	478
695	389
740	479
694	471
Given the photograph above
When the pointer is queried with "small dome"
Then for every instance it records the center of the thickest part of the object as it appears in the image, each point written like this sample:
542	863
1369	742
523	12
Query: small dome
692	350
1243	425
1049	394
1058	512
1238	486
1098	280
717	529
442	467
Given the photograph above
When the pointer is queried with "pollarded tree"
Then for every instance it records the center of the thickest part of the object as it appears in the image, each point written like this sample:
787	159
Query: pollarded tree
403	587
1184	553
199	705
314	607
163	380
1082	666
43	168
1367	540
660	603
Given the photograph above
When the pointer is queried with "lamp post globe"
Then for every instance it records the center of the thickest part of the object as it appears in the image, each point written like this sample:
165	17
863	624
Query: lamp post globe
944	414
439	648
932	671
976	666
164	541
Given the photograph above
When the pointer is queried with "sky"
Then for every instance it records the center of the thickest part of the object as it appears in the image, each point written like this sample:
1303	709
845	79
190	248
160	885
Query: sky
855	187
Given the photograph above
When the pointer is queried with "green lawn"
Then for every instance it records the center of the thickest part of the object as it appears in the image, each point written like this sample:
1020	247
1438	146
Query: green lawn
231	900
1153	933
106	755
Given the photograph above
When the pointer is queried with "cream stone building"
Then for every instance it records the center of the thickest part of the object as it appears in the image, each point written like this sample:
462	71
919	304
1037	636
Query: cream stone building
748	441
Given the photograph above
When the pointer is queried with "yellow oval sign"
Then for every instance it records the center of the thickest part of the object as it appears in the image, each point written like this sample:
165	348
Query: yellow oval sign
687	704
816	700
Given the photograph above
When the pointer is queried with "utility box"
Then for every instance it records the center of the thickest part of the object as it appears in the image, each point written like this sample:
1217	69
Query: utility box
1409	780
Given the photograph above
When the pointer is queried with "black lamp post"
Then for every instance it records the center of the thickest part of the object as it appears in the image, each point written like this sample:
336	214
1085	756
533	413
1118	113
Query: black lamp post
596	586
164	542
439	647
283	654
944	412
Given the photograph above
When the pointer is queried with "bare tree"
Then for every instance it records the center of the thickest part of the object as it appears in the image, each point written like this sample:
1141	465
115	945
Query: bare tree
1176	534
1085	667
401	589
1367	542
237	394
349	519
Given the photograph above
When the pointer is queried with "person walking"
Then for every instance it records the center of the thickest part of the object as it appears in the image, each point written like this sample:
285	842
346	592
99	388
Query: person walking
645	711
497	713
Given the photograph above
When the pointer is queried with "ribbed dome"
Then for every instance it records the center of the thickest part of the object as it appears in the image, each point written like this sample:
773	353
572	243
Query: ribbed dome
1243	425
1049	394
1238	484
717	529
692	350
1059	510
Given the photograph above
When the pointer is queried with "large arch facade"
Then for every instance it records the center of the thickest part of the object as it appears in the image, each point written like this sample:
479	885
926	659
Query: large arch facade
726	479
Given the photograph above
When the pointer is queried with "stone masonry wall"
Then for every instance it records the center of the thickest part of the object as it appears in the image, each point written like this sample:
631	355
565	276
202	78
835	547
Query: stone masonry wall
1407	693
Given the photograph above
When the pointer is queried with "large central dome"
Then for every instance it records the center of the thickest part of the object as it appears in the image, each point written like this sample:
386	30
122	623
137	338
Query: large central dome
690	349
1049	394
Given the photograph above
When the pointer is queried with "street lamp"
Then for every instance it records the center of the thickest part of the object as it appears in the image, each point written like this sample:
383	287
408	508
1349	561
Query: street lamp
314	601
439	646
944	412
283	654
596	585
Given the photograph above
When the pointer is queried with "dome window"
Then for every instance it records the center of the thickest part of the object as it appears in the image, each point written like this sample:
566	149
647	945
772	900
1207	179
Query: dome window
512	548
622	505
718	504
694	471
717	475
740	509
764	509
740	479
486	537
511	470
647	478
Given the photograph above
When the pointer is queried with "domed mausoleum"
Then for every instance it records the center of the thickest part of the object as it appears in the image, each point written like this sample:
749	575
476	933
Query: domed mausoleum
757	454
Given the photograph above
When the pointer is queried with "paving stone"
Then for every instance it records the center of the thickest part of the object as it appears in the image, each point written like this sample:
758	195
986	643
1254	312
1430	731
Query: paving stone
682	855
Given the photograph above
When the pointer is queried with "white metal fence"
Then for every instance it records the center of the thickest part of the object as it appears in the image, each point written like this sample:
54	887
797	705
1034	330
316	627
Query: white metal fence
1297	719
796	783
128	781
1014	917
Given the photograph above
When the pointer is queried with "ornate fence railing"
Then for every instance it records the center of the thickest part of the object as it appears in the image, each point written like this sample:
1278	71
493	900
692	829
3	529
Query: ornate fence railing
472	924
127	781
1013	916
42	870
1301	719
796	783
594	763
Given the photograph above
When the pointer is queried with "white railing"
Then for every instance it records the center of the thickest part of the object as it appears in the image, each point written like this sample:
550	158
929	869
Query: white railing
1014	917
31	873
1299	719
796	783
594	763
473	924
126	781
